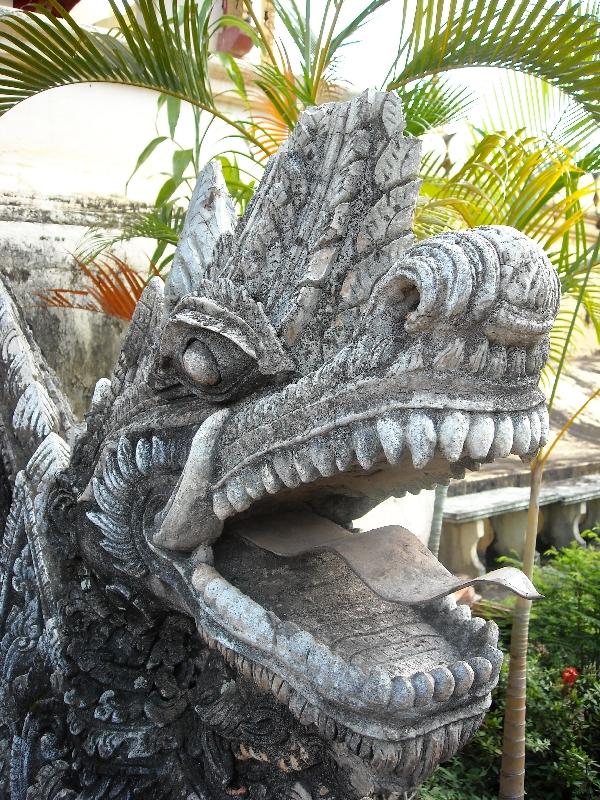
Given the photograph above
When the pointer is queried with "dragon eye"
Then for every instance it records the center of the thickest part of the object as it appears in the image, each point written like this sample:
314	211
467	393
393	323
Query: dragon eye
200	364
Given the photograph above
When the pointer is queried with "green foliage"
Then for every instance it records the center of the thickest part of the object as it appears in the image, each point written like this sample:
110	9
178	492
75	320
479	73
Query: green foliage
555	41
433	102
571	582
166	48
536	183
563	732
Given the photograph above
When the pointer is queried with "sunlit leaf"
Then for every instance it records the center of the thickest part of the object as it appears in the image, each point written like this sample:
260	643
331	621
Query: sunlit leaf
555	41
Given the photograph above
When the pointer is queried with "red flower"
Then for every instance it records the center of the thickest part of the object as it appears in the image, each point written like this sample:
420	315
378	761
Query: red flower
569	676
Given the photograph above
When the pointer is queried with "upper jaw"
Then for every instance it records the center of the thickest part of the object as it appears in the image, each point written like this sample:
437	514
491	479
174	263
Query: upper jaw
342	443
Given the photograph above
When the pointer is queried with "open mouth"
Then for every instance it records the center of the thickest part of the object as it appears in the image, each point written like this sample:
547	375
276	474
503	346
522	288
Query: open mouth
355	634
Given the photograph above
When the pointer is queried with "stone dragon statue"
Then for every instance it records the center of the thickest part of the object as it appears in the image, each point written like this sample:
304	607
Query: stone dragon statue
186	610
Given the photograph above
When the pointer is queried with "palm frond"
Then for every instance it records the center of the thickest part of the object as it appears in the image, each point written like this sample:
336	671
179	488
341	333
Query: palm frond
564	333
151	47
576	128
433	102
163	225
114	289
517	100
515	180
556	41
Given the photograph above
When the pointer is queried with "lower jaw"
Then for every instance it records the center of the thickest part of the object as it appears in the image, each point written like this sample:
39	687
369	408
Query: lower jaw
382	764
283	649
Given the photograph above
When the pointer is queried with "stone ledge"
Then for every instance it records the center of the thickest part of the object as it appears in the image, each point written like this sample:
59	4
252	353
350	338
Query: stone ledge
521	478
481	505
107	212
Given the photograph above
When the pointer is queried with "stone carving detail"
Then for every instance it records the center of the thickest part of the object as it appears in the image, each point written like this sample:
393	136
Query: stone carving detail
184	611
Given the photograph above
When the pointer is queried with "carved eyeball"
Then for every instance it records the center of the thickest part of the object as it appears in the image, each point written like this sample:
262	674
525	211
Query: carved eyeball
200	364
211	364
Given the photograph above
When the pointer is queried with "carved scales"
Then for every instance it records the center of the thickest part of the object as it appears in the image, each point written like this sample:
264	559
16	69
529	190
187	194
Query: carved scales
184	611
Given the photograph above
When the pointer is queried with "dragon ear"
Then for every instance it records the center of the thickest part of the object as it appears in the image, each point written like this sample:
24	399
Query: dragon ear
208	229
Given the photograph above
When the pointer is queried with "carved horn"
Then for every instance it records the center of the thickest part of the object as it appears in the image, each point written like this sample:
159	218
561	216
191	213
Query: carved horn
209	223
493	276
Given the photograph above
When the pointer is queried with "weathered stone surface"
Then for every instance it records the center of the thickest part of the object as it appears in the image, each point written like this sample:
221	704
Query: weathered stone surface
311	361
38	236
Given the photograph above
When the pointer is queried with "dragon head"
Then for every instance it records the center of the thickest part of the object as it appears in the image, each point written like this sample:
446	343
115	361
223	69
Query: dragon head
297	367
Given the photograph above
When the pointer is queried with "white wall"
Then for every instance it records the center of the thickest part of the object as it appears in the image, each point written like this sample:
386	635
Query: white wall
414	512
85	140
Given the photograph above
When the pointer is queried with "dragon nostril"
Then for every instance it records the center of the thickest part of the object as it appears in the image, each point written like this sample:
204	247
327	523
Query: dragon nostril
199	363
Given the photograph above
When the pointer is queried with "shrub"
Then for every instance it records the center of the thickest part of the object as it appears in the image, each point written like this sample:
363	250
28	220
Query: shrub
563	715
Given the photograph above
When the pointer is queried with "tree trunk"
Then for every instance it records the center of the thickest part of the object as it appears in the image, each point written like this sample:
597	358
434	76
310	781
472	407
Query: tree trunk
435	533
512	773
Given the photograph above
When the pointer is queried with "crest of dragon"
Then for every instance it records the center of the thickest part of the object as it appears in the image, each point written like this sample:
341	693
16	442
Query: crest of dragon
186	610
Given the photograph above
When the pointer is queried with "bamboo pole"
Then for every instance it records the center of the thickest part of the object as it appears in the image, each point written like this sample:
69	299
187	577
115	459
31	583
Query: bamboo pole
435	533
512	771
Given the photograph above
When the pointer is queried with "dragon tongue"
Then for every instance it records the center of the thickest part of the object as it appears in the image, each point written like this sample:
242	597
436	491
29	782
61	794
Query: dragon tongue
391	561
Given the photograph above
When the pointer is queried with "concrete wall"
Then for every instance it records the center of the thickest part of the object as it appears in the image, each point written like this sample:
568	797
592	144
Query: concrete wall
37	235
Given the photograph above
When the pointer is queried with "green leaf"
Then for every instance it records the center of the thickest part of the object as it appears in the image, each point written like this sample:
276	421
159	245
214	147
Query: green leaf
554	41
166	191
433	102
234	73
181	161
145	155
173	111
147	48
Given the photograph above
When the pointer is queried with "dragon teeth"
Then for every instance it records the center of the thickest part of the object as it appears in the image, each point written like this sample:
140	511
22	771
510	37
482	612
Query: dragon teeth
480	436
452	435
237	495
304	466
482	669
489	633
342	449
252	484
284	467
391	436
536	432
403	694
424	686
495	657
463	677
322	455
457	435
366	444
421	438
221	506
522	435
270	479
378	686
443	684
503	437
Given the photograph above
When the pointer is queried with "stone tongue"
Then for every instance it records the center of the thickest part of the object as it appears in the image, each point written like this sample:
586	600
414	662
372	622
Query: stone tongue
391	561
